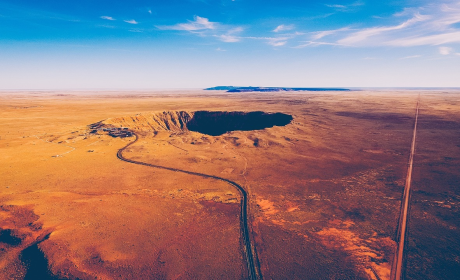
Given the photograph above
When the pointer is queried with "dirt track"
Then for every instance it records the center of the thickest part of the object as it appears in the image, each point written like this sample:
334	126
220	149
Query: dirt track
249	249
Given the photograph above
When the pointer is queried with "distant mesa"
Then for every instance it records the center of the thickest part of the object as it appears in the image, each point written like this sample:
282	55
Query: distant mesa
271	89
221	88
212	123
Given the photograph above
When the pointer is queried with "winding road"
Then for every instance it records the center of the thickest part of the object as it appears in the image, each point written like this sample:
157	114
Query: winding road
249	249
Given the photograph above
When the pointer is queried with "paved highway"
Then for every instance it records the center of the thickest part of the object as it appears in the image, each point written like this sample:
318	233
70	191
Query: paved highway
396	269
249	249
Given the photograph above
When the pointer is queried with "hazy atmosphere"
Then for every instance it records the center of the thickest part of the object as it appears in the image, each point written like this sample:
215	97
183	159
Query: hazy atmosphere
229	139
143	44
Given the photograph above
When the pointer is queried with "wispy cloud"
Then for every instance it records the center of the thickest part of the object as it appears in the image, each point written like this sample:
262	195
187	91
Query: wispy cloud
132	21
433	24
277	42
272	41
206	28
445	50
346	8
336	6
107	18
314	44
199	23
231	36
411	56
136	30
283	27
365	34
106	26
321	16
320	34
228	38
433	40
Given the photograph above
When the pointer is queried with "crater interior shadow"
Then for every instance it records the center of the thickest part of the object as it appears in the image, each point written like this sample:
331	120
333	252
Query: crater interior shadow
36	263
218	123
7	237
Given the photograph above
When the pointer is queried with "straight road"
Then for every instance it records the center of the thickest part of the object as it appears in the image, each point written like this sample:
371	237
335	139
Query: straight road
249	249
396	268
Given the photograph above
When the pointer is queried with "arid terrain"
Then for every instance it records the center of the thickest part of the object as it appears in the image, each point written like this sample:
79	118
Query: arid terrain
324	184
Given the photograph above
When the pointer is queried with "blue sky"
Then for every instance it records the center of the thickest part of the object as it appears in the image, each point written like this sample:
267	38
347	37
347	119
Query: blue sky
139	44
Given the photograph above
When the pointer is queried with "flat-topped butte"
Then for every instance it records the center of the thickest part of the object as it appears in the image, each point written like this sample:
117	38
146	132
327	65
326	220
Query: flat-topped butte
271	89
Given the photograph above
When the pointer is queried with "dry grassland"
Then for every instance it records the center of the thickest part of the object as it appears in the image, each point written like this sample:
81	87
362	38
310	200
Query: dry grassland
324	190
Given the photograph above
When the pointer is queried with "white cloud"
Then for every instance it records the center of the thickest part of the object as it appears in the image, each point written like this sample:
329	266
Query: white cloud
315	43
450	15
433	24
107	18
272	41
439	39
107	26
199	23
364	34
411	56
204	28
336	6
149	11
229	38
283	27
445	50
132	21
320	34
406	12
235	30
345	8
277	42
220	50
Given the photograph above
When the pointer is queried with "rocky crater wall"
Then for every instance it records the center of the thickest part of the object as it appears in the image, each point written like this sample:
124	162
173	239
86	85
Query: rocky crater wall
212	123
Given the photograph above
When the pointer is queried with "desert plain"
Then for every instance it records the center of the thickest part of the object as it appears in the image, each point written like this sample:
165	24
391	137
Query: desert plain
323	190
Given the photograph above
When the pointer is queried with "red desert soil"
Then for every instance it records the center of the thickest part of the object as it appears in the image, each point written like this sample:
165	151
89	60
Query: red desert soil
324	190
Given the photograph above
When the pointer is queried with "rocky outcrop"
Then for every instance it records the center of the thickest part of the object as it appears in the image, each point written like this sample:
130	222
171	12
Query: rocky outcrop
174	121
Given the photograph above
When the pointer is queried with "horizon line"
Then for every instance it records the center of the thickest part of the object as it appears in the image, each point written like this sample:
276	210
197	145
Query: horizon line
200	88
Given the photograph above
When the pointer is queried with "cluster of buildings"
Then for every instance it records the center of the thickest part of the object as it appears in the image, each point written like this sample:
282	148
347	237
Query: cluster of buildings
112	131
